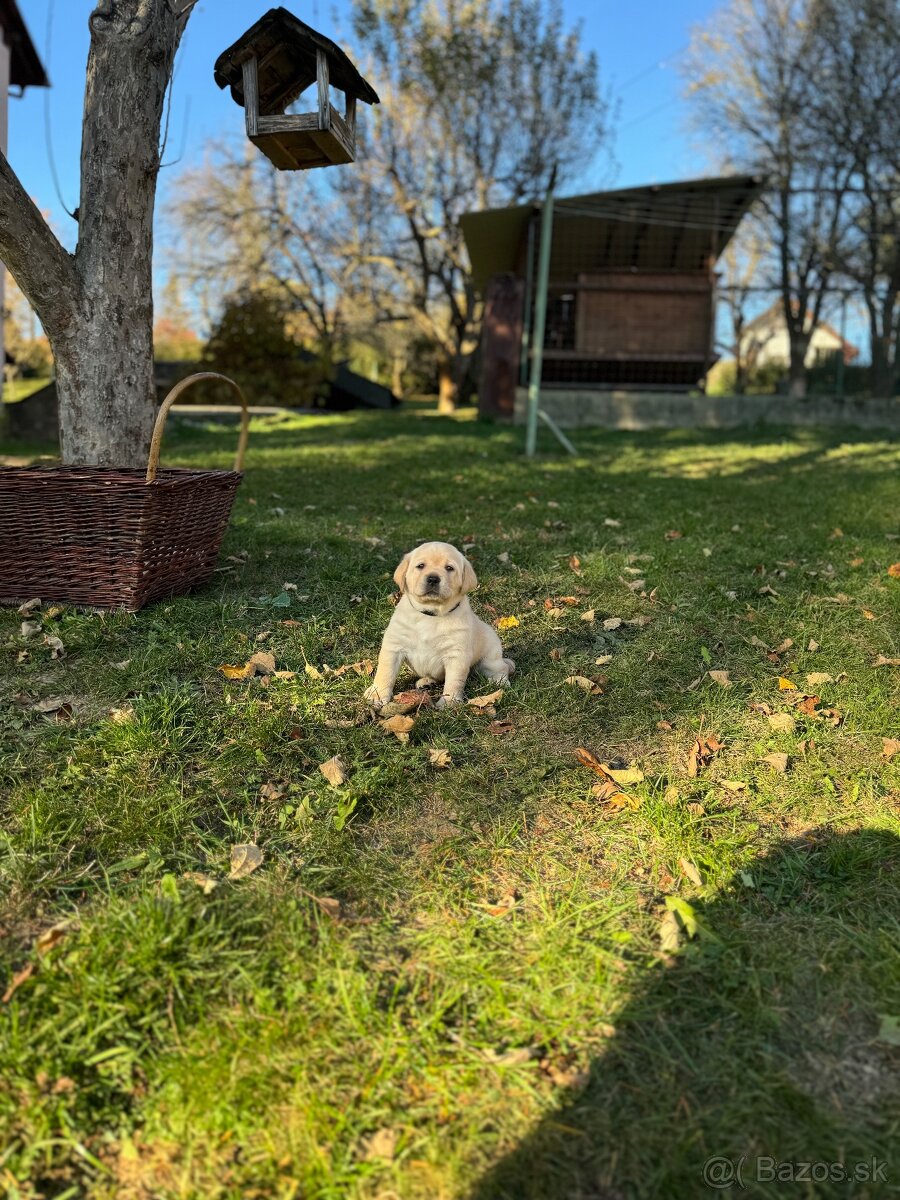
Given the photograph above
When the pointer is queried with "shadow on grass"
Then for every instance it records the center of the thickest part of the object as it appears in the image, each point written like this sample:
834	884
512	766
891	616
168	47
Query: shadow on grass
758	1046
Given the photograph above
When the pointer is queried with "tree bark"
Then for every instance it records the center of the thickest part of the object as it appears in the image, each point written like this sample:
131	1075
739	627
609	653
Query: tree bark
448	389
97	306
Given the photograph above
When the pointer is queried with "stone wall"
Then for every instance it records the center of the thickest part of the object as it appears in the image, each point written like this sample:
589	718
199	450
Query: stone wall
575	409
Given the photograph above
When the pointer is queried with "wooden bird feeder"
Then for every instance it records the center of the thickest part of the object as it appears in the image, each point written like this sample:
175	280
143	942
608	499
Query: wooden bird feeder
267	69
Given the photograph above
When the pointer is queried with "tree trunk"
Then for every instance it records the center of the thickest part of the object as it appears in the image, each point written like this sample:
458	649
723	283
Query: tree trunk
97	306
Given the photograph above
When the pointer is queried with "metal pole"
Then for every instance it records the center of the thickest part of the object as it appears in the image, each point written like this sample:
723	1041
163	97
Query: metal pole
526	314
540	320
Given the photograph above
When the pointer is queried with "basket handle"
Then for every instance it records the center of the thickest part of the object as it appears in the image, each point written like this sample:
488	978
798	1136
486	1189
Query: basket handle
156	440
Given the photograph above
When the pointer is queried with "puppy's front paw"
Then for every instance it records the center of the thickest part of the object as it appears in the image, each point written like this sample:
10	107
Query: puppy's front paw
503	679
375	698
450	701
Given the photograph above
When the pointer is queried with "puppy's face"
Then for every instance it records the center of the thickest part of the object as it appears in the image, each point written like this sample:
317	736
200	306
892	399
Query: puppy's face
436	573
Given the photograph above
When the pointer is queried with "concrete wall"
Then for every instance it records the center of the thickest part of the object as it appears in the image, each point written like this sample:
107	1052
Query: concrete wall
676	410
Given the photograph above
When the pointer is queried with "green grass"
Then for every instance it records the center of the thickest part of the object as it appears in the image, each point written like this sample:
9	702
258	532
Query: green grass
20	389
493	992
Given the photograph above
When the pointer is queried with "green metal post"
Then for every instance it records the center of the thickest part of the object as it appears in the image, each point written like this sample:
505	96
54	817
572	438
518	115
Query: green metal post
540	321
839	364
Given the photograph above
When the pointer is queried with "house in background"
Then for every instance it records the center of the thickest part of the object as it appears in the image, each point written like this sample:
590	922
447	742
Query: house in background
765	340
631	293
20	68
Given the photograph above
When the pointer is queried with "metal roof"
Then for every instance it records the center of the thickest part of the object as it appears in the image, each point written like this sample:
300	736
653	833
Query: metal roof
25	67
285	49
658	227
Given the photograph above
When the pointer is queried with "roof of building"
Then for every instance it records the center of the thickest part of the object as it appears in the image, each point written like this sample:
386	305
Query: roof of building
285	49
25	68
667	226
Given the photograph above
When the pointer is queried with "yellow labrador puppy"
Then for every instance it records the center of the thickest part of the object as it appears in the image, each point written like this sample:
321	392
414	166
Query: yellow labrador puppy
434	629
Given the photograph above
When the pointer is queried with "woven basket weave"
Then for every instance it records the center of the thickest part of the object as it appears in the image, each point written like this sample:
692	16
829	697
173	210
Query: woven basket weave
107	538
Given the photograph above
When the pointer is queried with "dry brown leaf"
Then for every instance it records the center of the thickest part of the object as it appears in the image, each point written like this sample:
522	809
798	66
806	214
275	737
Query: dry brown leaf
406	702
664	725
16	982
588	614
815	678
889	747
587	758
603	660
575	564
382	1145
624	775
28	607
701	752
334	771
51	937
588	685
881	661
813	645
640	621
784	722
722	678
690	871
778	762
271	791
894	570
808	705
554	613
555	654
312	672
673	535
440	758
733	785
399	726
486	701
245	858
612	623
696	809
499	728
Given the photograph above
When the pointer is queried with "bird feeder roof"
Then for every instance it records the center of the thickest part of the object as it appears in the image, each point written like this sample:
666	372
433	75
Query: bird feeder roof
25	67
285	50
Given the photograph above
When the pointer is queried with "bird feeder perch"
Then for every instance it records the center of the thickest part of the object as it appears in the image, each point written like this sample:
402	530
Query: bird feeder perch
267	69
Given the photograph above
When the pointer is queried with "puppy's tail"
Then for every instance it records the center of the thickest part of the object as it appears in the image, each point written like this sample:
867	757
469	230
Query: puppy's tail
511	666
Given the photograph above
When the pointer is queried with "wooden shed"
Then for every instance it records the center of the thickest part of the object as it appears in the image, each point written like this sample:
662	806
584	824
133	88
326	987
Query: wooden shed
631	293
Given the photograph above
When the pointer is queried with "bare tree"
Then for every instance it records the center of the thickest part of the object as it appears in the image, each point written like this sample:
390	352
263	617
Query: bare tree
752	75
96	304
479	102
856	69
745	262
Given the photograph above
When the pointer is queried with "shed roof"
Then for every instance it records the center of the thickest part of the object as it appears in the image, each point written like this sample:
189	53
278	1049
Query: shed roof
285	49
25	68
666	226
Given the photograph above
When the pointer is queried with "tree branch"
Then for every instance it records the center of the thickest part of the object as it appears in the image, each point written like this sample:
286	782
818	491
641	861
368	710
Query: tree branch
42	268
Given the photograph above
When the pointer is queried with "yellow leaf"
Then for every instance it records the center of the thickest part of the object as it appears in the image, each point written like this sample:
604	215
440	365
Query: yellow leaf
486	701
244	672
507	622
785	685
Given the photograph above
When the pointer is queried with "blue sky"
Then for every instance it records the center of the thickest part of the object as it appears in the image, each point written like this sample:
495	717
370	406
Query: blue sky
637	46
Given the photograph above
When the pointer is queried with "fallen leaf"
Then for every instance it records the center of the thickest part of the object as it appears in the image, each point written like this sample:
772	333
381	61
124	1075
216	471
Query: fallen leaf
625	775
785	685
722	678
808	705
612	622
245	858
778	762
26	609
270	791
507	622
701	752
440	758
588	614
122	716
486	701
554	612
406	702
30	629
813	645
54	644
204	882
690	871
733	785
783	722
836	533
669	933
611	522
334	771
328	904
555	654
499	728
881	661
516	1057
765	590
894	570
16	982
890	747
815	678
587	758
312	672
639	621
51	937
575	564
603	660
382	1144
664	725
673	535
696	809
868	614
399	726
588	685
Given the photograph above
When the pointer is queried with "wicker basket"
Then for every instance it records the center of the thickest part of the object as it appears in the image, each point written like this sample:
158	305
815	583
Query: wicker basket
107	538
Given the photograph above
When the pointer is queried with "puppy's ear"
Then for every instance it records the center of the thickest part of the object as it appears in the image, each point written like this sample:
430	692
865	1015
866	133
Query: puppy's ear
400	573
469	578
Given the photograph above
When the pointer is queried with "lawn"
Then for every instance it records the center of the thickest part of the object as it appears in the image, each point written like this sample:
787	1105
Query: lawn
510	977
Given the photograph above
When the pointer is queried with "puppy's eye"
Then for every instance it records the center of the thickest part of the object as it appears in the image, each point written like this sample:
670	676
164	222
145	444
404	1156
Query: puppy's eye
420	566
449	568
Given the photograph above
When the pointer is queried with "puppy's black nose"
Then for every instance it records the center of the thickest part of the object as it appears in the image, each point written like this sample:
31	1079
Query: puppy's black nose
432	580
